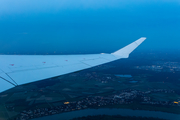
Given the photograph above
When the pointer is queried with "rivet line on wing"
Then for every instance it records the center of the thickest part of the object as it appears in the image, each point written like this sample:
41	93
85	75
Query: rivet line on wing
85	63
137	44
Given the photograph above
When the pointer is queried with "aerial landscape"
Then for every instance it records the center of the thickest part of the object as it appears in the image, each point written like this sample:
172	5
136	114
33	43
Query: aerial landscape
124	84
67	60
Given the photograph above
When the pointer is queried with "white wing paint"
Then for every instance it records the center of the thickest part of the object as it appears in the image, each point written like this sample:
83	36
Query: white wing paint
17	70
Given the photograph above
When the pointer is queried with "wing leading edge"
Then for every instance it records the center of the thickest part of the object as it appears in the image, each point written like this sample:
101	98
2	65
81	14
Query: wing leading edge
17	70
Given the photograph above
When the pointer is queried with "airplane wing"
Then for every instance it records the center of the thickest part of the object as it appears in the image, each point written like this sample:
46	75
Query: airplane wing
21	69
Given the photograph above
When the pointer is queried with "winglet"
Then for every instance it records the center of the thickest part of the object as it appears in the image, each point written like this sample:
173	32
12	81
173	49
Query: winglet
124	52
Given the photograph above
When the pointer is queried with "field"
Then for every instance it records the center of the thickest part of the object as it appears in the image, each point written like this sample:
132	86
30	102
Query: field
76	86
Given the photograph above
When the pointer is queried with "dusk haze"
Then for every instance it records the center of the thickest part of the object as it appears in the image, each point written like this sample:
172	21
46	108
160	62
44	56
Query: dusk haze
90	60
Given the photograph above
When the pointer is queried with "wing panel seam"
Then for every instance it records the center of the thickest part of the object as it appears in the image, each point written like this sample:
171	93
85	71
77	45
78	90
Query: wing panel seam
8	81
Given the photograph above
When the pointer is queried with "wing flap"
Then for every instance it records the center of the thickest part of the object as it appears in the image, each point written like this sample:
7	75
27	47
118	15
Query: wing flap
23	77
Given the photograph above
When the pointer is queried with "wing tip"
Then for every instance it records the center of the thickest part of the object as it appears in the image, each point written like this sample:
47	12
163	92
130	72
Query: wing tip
124	52
143	38
140	40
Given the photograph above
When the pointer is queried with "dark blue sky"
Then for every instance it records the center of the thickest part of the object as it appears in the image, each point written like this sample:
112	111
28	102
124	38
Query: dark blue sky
87	26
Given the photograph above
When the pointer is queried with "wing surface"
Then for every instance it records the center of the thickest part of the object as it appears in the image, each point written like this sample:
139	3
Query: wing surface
21	69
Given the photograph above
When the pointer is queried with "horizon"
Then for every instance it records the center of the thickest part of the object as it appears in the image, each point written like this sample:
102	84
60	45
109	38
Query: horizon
67	27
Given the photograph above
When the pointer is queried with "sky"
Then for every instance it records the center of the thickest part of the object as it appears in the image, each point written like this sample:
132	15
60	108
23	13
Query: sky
87	26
